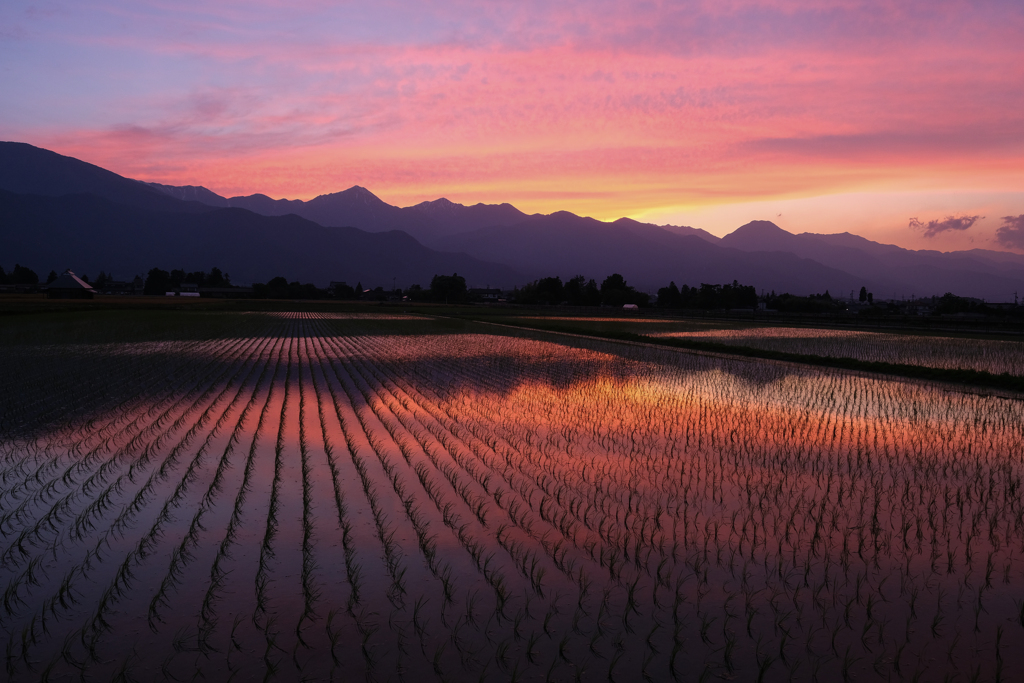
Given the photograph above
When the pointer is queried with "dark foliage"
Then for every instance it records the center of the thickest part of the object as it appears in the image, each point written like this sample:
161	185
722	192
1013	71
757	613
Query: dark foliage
582	292
949	303
19	276
280	288
708	297
815	303
448	288
157	282
160	281
616	292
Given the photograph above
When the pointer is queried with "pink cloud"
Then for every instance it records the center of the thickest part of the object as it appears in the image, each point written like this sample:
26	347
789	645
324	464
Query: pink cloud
617	106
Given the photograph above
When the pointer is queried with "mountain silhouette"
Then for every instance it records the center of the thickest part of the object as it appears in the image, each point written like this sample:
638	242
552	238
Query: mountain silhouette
648	256
355	235
31	170
891	270
358	206
92	233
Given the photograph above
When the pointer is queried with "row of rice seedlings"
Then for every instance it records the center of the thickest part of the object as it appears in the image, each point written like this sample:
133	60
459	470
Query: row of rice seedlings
364	620
146	546
181	557
533	571
702	507
20	411
494	578
531	567
63	509
394	560
80	573
441	571
51	371
261	618
85	519
134	431
453	445
218	574
352	569
311	592
384	533
85	489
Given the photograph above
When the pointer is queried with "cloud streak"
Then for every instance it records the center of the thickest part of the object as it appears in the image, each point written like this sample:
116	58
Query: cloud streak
949	223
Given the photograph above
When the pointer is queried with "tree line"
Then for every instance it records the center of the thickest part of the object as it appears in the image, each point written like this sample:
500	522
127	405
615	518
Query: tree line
20	276
160	281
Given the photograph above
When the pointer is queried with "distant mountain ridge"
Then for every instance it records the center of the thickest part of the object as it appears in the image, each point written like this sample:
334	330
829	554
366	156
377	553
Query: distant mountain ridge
426	221
59	212
93	233
495	243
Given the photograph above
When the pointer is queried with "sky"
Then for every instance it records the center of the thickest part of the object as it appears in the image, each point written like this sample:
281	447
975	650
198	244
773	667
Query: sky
902	121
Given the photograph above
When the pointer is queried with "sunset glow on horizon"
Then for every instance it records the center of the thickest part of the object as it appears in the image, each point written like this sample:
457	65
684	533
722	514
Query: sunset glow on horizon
822	116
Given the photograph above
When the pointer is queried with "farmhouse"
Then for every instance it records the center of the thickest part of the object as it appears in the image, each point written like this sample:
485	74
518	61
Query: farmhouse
123	288
485	294
69	286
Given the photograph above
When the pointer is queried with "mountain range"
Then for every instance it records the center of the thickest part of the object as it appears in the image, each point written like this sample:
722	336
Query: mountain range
58	212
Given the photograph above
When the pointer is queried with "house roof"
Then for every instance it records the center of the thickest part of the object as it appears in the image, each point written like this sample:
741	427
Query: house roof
70	281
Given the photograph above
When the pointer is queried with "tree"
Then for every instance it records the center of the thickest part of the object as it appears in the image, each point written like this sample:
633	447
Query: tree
573	290
669	297
616	292
280	288
863	294
157	282
216	278
550	290
344	291
22	275
49	278
448	288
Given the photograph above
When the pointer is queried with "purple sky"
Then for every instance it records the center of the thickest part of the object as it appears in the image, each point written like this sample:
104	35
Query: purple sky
854	116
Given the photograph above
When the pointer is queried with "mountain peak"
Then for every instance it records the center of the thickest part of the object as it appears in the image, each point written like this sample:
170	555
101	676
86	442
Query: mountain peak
759	228
360	191
759	235
356	193
442	205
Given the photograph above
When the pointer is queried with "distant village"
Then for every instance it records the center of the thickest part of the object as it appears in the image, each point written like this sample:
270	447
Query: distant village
613	291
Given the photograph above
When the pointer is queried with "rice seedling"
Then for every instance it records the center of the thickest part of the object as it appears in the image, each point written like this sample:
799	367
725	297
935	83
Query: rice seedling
516	505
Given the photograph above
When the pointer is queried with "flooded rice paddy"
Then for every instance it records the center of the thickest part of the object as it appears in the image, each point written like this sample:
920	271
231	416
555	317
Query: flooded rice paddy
948	353
355	498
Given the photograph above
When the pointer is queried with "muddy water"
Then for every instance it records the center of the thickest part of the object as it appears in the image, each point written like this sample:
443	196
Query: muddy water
340	498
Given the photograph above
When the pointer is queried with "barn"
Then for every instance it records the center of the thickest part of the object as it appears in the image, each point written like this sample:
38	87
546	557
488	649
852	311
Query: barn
69	286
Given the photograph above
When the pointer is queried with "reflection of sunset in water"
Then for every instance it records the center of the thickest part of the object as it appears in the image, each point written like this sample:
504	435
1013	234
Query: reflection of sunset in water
344	497
995	356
